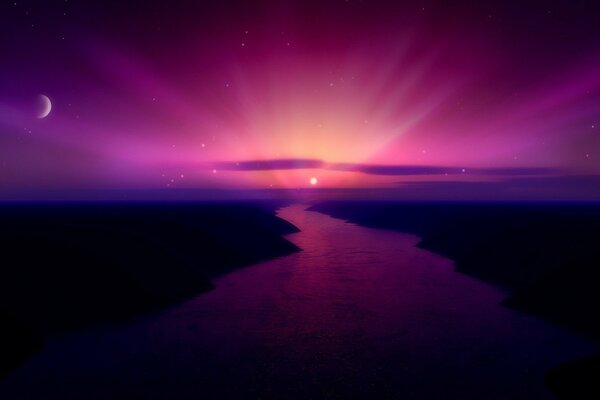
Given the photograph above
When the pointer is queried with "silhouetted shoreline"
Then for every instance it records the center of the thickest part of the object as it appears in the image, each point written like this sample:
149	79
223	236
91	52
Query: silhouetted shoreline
73	265
70	265
546	255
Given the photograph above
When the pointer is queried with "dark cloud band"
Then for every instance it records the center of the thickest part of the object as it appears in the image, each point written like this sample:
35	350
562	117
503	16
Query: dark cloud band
374	169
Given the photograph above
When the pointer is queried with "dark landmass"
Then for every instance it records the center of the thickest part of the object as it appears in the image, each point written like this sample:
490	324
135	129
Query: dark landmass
69	265
18	342
576	379
546	255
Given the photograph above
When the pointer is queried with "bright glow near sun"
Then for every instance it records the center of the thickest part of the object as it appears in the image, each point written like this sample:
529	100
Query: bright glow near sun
387	94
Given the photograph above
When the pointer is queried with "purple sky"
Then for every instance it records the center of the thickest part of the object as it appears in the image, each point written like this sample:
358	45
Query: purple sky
434	98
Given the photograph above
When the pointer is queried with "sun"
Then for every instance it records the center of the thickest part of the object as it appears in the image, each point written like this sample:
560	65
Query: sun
313	181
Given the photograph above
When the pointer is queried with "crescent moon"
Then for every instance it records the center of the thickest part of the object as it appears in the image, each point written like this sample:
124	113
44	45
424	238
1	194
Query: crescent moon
46	106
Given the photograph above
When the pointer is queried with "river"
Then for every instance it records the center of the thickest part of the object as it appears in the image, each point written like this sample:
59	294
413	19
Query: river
357	313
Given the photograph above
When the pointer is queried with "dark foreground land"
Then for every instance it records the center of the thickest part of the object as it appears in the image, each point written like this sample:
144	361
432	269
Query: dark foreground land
65	266
68	266
546	255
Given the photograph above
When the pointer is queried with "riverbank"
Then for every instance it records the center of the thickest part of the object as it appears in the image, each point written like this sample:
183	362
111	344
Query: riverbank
359	313
67	266
545	255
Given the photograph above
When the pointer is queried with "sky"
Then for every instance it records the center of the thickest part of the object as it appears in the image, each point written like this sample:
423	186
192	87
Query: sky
251	95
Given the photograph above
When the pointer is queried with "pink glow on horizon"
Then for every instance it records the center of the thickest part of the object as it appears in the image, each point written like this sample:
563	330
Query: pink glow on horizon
413	95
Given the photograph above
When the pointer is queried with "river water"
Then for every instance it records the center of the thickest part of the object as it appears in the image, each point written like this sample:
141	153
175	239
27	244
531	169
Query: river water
359	313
